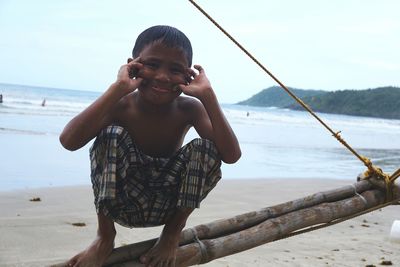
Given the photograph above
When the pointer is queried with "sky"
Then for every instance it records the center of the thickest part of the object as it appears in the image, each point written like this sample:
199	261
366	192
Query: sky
308	44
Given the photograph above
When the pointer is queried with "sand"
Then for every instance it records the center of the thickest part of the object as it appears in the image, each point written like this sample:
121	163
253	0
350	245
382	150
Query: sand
37	233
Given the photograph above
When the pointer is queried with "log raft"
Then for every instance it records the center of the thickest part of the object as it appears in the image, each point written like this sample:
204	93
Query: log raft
206	242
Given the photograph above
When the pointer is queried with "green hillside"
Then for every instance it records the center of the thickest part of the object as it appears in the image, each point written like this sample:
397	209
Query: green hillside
383	102
275	96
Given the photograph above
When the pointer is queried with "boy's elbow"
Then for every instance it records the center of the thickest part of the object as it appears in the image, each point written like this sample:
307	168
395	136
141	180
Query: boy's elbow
232	157
66	143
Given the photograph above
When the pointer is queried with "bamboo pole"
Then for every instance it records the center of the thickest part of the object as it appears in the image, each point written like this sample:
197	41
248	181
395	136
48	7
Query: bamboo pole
270	230
244	231
276	228
231	225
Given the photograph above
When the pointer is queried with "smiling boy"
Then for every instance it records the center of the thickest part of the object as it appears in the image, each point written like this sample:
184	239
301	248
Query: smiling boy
141	174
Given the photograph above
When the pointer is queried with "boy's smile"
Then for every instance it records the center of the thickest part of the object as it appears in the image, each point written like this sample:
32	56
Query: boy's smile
164	68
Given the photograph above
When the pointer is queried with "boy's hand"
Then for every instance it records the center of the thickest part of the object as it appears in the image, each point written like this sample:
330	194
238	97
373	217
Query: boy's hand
127	79
198	84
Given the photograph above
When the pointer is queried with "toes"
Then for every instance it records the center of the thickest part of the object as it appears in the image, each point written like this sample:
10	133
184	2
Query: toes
144	259
154	263
72	262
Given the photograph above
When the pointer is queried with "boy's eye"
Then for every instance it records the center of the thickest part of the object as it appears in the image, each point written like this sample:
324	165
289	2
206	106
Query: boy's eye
176	70
151	65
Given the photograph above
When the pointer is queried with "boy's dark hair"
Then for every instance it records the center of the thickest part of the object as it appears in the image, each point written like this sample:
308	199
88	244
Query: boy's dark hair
169	36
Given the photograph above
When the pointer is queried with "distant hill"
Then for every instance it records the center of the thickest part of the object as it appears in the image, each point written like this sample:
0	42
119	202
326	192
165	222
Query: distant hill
275	96
382	102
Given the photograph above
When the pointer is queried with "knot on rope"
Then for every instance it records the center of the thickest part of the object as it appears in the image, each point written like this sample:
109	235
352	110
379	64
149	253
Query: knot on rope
203	248
371	168
338	136
378	174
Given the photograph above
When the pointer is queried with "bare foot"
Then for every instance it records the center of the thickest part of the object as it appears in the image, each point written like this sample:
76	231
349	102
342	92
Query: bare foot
94	255
163	253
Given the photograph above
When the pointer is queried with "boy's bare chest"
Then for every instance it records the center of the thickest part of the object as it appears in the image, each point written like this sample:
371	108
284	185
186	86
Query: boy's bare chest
159	137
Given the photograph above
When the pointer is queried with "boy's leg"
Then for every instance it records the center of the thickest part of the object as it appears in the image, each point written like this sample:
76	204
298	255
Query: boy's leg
101	247
163	252
202	172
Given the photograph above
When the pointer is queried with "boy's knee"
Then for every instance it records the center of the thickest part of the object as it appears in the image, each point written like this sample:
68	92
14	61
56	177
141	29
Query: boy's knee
204	151
112	135
112	131
205	145
109	139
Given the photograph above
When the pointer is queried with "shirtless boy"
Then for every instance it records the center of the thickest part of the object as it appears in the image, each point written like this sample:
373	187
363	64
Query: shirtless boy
142	175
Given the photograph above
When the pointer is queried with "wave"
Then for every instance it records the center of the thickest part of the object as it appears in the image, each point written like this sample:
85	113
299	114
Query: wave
27	100
20	99
272	116
30	132
34	106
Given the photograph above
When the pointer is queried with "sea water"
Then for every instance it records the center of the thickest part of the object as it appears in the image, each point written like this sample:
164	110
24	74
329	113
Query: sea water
276	143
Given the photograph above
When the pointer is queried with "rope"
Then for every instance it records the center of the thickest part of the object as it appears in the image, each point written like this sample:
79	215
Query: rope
372	170
203	248
359	195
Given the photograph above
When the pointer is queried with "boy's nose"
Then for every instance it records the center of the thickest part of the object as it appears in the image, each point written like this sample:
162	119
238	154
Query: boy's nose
162	76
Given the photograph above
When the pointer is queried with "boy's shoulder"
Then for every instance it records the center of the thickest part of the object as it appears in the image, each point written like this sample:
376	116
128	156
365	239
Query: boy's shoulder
190	106
188	103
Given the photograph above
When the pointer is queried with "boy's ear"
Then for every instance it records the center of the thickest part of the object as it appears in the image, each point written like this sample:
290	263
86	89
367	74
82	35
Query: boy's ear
129	60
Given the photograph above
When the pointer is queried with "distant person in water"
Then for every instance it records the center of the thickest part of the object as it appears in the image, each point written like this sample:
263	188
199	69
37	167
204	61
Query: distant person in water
44	102
1	98
142	176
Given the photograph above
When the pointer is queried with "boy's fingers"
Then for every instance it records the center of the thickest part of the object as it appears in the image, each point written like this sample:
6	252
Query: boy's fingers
133	68
136	59
135	63
192	73
199	68
135	83
188	79
132	72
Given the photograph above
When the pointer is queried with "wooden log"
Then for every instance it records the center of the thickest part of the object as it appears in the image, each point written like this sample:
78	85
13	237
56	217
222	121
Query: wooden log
270	230
251	229
246	220
276	228
226	226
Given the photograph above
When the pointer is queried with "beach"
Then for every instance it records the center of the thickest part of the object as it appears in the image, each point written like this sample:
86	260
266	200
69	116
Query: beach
285	156
38	233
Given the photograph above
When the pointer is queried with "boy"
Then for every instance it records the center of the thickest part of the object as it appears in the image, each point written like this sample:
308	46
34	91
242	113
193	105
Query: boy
141	174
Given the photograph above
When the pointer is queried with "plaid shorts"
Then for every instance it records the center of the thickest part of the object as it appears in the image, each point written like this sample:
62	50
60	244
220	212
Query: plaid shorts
136	190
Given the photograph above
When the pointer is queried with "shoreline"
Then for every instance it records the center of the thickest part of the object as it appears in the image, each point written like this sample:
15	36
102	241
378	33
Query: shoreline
36	233
40	188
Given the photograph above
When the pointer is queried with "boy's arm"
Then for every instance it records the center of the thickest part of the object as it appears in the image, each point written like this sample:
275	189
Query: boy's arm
86	125
210	121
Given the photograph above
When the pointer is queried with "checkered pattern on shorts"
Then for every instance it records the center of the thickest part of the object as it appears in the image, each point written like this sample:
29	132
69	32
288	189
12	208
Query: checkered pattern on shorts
136	190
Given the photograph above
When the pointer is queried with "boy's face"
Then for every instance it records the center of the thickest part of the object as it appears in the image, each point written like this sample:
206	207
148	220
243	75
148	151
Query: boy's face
163	69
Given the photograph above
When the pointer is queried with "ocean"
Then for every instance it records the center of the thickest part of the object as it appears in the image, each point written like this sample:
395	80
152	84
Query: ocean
276	143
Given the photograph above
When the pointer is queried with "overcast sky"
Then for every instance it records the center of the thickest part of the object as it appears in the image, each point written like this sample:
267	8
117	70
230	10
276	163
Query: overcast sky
309	44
